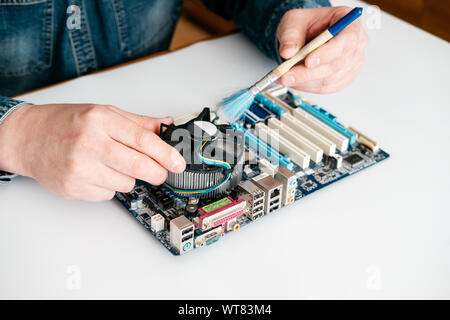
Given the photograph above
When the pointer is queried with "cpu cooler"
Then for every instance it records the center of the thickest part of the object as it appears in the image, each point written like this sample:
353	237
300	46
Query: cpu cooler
213	153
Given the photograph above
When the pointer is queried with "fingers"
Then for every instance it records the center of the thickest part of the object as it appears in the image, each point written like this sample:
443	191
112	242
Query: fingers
152	124
106	177
291	34
333	65
132	163
347	40
302	75
333	83
146	142
92	193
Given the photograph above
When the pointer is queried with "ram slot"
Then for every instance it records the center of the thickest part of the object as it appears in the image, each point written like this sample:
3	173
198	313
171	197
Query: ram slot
340	141
310	148
328	147
282	145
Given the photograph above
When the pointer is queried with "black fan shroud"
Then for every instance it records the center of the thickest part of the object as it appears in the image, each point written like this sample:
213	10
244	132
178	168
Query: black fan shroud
224	144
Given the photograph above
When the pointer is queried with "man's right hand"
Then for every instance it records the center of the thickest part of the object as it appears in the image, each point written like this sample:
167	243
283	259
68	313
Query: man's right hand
85	151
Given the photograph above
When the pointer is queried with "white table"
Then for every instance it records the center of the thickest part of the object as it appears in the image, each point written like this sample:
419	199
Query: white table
383	233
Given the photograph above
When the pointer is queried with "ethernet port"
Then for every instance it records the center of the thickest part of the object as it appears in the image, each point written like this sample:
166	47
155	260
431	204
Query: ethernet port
275	193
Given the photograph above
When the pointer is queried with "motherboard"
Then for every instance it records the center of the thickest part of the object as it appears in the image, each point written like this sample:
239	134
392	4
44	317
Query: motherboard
282	149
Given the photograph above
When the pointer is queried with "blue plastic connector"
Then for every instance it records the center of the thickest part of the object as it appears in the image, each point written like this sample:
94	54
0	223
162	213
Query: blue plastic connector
263	149
327	118
269	104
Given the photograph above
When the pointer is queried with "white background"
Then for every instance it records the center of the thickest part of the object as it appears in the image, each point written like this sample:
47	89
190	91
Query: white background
383	233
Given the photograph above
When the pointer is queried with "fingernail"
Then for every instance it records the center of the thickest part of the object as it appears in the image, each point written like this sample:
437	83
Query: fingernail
178	162
314	62
289	49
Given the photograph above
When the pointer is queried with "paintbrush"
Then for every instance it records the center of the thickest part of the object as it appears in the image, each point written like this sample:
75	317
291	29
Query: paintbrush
233	107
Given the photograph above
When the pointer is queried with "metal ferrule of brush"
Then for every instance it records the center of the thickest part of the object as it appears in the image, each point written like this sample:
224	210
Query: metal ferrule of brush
263	83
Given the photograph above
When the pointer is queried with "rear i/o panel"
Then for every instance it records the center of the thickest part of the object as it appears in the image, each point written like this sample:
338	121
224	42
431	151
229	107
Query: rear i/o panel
281	150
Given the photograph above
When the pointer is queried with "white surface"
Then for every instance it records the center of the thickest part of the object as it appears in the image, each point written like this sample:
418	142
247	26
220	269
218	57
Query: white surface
383	233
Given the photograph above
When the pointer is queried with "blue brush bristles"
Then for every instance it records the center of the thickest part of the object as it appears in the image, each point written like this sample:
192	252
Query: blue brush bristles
234	106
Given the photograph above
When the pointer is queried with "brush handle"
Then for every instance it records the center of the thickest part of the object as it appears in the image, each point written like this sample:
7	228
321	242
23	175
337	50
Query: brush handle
318	41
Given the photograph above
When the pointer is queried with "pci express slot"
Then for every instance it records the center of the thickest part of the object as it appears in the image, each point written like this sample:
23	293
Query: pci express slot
326	118
282	145
310	148
263	149
334	136
269	104
221	215
257	113
279	102
328	147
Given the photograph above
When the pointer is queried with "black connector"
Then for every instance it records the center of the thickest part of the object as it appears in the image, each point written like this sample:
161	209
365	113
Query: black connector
187	231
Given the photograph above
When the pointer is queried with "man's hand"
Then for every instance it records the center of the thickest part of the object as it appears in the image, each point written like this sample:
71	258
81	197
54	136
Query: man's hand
332	66
86	152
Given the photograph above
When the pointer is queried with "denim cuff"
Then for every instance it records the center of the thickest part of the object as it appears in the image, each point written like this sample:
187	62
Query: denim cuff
270	34
7	106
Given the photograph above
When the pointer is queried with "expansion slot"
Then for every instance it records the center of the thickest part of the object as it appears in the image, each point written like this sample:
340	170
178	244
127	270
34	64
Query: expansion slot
310	148
365	140
328	147
269	104
281	144
279	102
337	138
326	118
263	149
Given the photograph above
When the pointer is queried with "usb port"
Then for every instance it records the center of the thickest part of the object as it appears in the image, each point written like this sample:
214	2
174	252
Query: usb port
274	201
187	238
258	209
187	231
274	208
258	202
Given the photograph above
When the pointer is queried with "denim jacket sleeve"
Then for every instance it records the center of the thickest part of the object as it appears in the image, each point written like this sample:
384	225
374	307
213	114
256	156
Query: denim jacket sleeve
259	20
7	106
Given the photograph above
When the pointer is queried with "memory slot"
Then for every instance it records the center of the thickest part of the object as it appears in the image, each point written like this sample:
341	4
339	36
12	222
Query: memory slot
334	136
263	149
310	148
328	147
326	118
282	145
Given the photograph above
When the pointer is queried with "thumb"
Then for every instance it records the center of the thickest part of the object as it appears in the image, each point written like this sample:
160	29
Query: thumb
291	35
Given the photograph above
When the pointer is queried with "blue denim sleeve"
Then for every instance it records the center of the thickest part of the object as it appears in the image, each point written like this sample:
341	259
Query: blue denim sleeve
259	20
7	106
